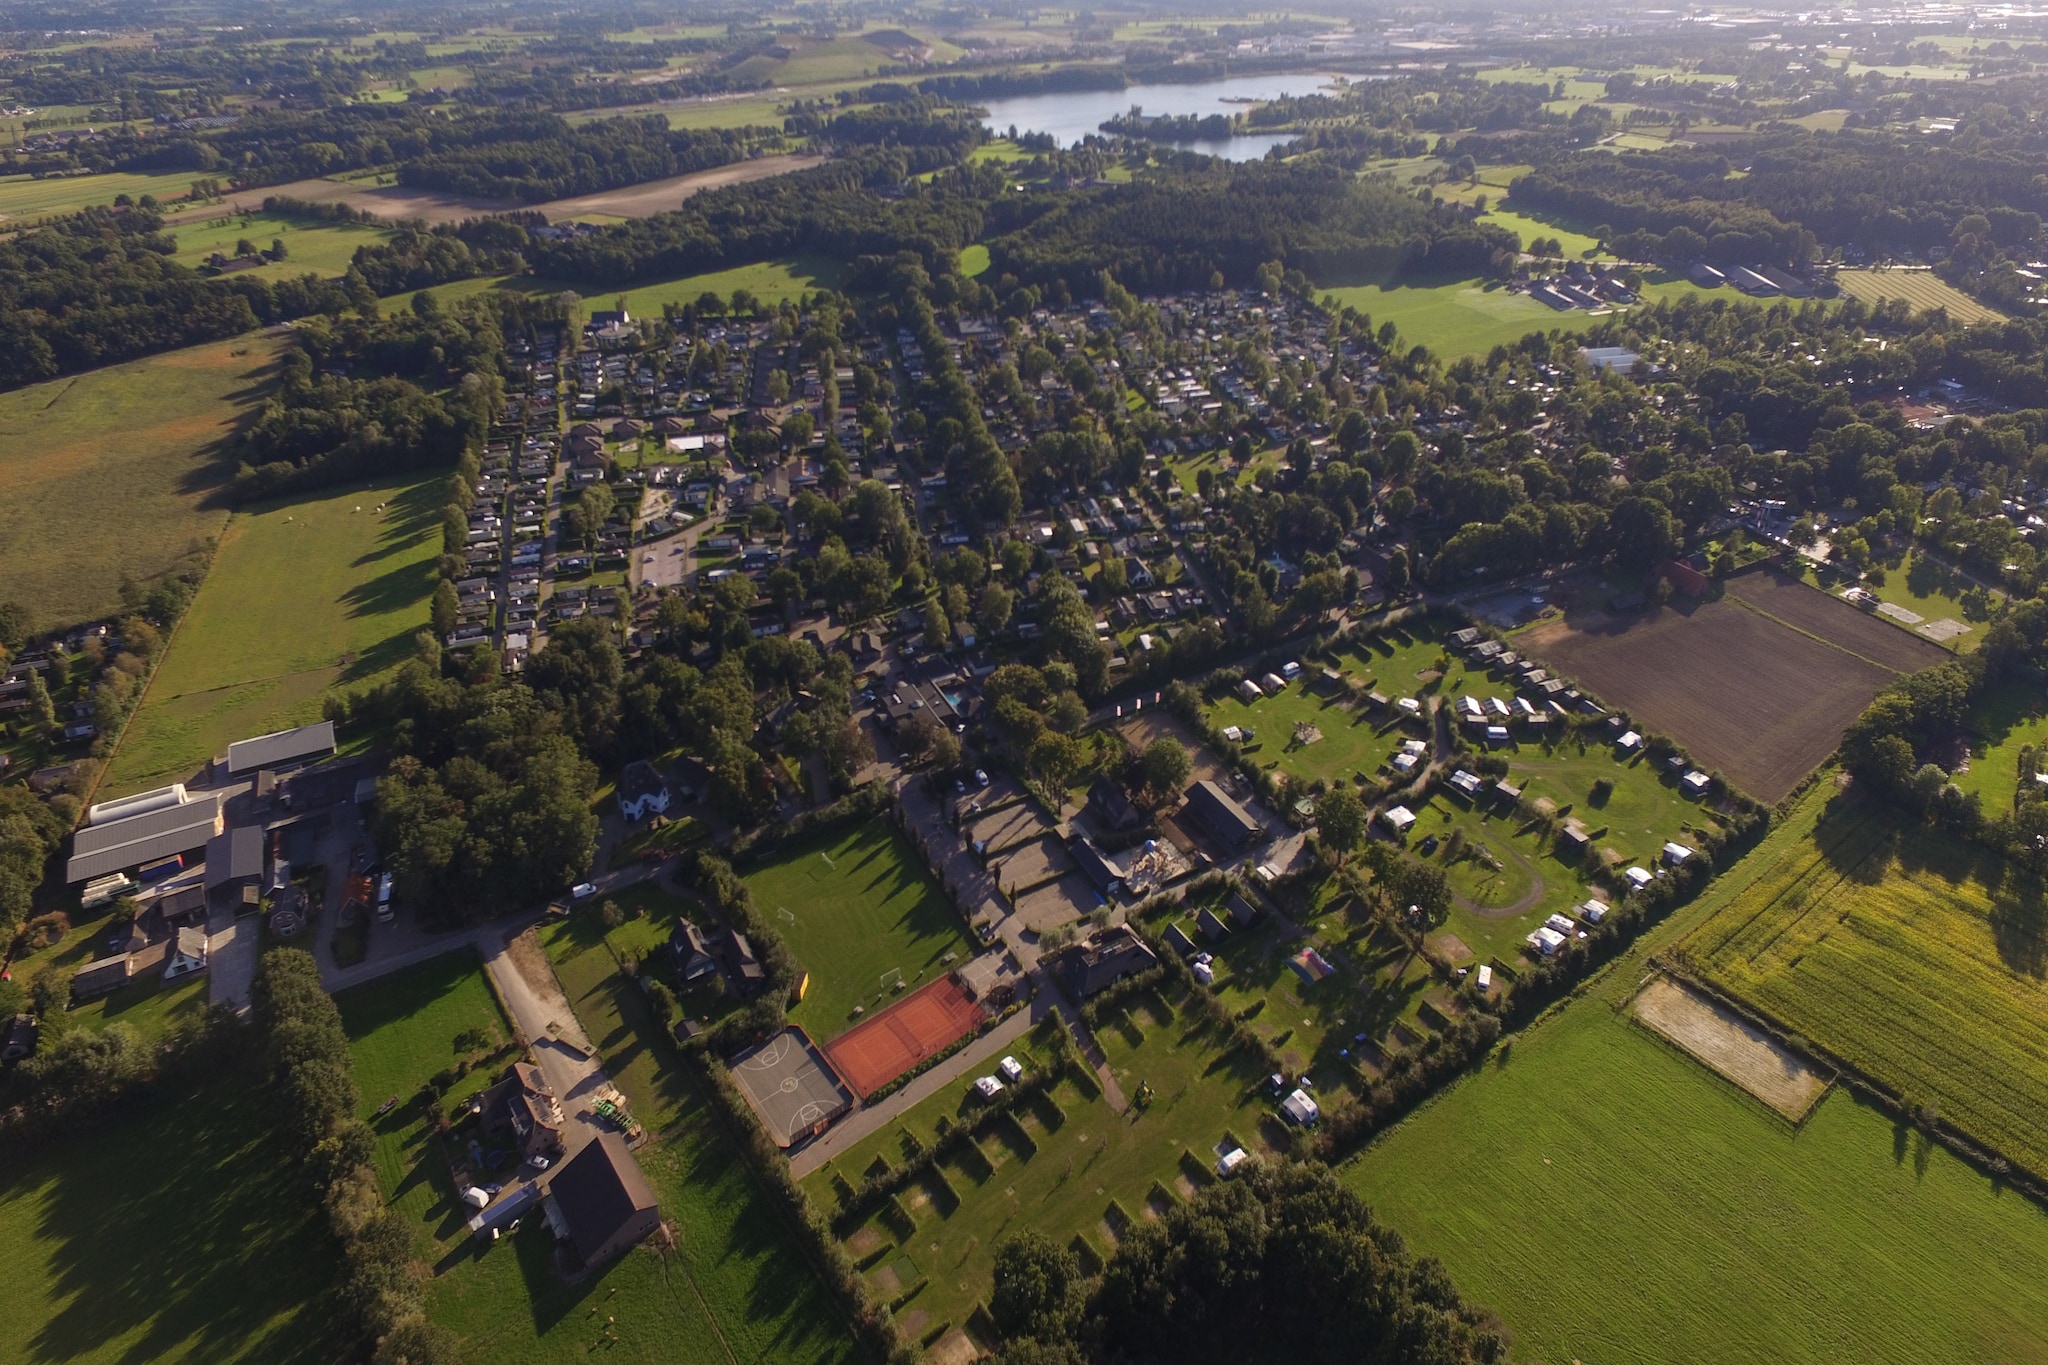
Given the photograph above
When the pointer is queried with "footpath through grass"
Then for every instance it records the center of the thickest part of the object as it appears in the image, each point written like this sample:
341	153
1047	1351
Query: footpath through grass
306	596
106	476
854	904
1614	1200
178	1232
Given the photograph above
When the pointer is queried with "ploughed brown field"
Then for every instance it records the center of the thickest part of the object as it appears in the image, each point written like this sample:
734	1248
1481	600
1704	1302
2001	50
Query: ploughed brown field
1759	699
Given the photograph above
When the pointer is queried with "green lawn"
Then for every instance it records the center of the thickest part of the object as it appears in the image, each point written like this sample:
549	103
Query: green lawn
973	260
305	597
145	1003
1069	1167
1613	1200
768	281
853	904
24	196
2009	717
179	1231
401	1031
1471	316
1916	958
141	437
1927	587
312	247
734	1288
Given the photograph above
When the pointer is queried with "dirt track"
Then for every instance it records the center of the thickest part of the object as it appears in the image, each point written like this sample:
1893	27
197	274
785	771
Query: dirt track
1731	1046
634	201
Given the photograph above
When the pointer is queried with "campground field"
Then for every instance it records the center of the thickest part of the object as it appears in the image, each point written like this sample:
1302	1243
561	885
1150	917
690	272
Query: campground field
351	581
1065	1163
145	436
1913	957
237	1257
1612	1199
1760	694
1922	289
853	905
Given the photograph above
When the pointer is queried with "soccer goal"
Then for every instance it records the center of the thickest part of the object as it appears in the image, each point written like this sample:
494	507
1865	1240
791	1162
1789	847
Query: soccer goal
892	980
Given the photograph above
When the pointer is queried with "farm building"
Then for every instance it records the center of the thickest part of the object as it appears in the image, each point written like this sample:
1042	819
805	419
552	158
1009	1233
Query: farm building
187	953
1220	816
1102	961
124	841
281	749
521	1109
103	977
599	1203
234	856
642	792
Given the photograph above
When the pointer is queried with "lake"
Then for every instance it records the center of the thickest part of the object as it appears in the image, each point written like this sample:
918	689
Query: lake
1069	117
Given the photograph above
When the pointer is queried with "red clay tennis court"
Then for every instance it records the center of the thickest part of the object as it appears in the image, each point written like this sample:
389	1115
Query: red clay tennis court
930	1019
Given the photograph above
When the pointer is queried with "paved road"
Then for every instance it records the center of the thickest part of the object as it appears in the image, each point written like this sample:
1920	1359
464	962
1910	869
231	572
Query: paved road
560	1046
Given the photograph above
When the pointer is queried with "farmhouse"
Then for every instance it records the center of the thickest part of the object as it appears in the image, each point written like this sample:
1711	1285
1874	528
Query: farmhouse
692	954
234	857
599	1204
1221	817
521	1109
120	841
281	749
187	953
1103	960
641	791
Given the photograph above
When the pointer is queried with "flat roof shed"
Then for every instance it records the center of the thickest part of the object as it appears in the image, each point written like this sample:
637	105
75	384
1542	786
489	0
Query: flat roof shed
281	748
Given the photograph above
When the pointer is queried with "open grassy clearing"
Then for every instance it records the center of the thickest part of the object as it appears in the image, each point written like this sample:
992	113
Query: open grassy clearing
853	905
352	583
401	1031
735	1286
24	197
1922	289
1068	1166
767	281
2011	716
1927	587
142	437
1470	316
312	248
1913	957
1355	743
181	1231
1674	1218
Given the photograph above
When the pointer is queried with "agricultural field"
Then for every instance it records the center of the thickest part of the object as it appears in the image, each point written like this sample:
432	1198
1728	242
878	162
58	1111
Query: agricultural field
855	905
352	571
238	1258
1743	692
1922	289
735	1286
150	428
312	248
23	197
769	281
1913	957
402	1031
1068	1165
1861	633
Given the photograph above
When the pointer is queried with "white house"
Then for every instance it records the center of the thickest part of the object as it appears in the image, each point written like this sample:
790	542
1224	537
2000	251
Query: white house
187	955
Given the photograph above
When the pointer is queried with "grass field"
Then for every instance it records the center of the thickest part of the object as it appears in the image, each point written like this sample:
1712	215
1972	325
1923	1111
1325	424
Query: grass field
401	1031
23	196
768	281
2009	717
144	434
311	247
1470	316
1913	957
1927	587
1070	1167
1355	743
1614	1200
853	904
179	1232
352	583
1923	289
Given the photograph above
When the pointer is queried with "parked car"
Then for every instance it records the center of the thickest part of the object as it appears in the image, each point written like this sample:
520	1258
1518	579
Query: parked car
980	778
988	1087
583	890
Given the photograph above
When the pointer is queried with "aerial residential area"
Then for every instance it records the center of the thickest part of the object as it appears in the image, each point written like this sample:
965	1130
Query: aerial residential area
889	684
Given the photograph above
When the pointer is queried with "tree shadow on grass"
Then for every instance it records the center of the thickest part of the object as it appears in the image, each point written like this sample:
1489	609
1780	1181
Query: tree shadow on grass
185	1228
418	511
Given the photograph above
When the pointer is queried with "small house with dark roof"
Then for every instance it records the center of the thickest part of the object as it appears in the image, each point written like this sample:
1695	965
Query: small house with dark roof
103	977
600	1204
1177	941
641	791
1100	870
1212	926
741	965
521	1109
1110	809
692	954
1103	960
1243	913
1220	816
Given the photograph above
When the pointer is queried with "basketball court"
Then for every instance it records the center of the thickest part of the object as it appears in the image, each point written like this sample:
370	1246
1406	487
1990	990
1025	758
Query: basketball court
928	1020
791	1087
